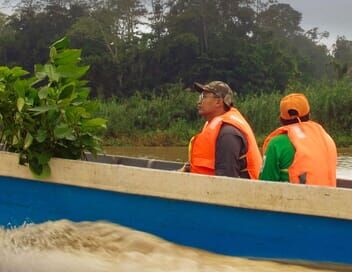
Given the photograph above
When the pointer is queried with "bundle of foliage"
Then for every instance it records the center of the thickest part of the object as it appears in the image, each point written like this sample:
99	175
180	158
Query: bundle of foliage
48	115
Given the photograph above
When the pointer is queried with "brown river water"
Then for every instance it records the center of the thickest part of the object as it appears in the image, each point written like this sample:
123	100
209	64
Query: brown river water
65	246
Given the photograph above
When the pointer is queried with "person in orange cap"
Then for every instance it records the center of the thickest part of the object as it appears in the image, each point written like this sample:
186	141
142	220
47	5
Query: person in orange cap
226	146
300	151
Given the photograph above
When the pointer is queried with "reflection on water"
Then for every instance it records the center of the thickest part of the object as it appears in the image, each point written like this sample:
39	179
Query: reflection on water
344	167
104	247
176	153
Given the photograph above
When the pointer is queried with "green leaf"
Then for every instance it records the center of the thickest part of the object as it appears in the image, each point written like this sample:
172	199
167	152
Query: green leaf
66	91
28	141
69	56
15	140
43	92
21	86
61	44
72	71
74	114
50	70
44	157
87	140
20	104
95	149
53	117
46	171
39	171
94	123
71	137
18	72
35	167
29	101
31	95
63	131
53	54
4	70
39	72
41	135
18	117
92	106
43	109
83	92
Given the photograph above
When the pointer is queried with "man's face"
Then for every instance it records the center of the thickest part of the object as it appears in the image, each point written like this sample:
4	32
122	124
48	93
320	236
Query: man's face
208	103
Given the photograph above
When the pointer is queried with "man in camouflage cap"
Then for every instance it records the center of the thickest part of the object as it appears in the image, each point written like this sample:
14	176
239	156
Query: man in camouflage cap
226	146
218	88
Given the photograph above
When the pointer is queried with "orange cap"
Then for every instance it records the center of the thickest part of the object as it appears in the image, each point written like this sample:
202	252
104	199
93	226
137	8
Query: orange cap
294	101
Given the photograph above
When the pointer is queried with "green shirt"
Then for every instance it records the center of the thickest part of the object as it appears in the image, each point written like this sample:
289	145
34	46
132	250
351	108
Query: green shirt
278	157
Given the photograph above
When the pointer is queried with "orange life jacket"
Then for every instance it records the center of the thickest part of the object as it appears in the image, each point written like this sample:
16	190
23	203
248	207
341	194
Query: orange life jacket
315	158
202	146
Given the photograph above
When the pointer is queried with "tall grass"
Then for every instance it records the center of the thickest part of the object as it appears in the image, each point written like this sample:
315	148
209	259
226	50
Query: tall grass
261	111
330	103
167	119
171	118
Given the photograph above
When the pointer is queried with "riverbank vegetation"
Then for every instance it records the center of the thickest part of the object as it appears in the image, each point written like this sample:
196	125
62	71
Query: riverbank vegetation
171	118
143	54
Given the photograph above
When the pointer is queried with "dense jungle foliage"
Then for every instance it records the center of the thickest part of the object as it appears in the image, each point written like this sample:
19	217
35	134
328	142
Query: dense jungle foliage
254	45
143	54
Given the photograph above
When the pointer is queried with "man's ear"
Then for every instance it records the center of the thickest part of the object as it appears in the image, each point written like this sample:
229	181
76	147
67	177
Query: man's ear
220	102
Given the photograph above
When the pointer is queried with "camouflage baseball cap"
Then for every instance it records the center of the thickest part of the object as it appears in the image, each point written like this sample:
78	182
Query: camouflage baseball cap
218	88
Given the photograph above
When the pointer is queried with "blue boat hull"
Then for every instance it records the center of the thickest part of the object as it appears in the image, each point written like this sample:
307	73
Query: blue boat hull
216	228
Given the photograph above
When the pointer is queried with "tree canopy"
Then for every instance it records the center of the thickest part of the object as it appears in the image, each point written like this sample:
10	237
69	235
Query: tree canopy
255	46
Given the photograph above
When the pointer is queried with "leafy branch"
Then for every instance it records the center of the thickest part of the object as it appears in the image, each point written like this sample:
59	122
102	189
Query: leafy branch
49	114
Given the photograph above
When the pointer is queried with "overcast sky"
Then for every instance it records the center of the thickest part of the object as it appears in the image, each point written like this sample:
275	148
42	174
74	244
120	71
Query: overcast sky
333	16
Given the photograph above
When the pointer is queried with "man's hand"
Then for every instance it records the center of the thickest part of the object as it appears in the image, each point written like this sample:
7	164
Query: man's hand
185	168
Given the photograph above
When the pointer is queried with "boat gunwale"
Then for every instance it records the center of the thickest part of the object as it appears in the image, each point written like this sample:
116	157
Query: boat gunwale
232	192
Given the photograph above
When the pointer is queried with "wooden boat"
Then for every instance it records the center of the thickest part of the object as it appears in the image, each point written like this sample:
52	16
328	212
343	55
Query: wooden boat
223	215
